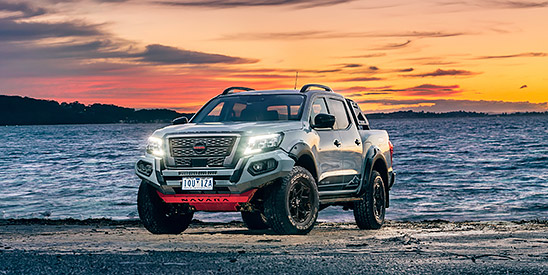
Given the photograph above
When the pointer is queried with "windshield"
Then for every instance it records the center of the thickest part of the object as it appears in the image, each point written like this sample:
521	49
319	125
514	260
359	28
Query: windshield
252	108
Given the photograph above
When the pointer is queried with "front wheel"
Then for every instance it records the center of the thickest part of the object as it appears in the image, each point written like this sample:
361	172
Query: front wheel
157	216
369	212
293	203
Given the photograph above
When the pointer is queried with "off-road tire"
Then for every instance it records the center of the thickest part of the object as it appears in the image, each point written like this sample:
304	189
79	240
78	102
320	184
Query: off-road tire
254	220
369	212
157	216
292	204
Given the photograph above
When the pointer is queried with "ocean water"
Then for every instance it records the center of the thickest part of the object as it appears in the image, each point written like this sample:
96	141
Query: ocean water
493	168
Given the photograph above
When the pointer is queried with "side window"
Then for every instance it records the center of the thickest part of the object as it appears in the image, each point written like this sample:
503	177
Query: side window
318	107
339	111
361	120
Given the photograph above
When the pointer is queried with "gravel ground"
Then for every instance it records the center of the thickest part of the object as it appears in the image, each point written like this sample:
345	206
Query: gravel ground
103	246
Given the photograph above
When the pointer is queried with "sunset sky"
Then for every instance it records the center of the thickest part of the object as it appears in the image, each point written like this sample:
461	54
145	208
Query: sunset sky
432	55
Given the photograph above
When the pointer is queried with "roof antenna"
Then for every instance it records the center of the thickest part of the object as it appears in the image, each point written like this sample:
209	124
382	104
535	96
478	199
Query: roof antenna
296	77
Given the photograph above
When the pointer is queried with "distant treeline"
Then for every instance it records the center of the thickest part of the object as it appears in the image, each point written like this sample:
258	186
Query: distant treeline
16	110
422	114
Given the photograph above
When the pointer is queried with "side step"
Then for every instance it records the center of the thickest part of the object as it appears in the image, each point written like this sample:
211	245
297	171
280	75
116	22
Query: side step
335	200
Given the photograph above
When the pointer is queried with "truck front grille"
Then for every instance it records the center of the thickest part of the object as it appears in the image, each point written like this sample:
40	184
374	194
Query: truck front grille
201	151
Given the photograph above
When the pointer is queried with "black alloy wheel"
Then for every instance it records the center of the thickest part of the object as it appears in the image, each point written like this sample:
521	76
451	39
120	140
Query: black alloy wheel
370	211
299	202
293	202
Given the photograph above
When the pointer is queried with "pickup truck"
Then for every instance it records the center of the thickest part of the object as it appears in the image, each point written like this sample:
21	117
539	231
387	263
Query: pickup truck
276	156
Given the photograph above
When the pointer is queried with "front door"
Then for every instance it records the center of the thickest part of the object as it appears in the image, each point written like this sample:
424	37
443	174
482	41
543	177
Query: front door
328	153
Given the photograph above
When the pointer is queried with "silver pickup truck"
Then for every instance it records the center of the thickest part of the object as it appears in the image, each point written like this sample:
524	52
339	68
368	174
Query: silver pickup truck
276	156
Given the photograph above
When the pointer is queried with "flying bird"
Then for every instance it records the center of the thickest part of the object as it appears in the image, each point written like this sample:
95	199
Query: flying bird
524	86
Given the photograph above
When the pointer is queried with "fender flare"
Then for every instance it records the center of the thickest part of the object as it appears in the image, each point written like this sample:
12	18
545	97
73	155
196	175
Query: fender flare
372	155
300	149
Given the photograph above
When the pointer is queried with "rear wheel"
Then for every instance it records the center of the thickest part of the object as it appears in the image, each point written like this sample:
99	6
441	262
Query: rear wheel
159	217
254	220
369	212
292	204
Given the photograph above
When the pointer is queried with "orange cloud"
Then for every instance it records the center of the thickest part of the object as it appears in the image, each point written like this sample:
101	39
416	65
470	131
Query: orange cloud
427	90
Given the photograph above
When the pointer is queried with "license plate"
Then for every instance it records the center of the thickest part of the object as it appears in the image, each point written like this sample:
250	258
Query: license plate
197	184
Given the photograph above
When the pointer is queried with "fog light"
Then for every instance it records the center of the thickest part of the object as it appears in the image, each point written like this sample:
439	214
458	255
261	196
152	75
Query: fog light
262	166
144	168
258	166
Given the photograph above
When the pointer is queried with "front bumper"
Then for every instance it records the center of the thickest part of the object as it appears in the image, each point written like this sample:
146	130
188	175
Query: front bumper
229	181
211	202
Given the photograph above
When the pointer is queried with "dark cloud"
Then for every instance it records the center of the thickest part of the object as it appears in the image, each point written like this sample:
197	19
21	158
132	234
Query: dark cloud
336	35
366	55
358	91
361	79
351	65
430	60
493	4
323	71
107	49
25	9
531	54
406	70
449	105
523	86
393	102
20	31
354	95
261	76
102	48
427	90
419	34
86	49
362	89
394	46
223	4
374	68
517	4
440	72
170	55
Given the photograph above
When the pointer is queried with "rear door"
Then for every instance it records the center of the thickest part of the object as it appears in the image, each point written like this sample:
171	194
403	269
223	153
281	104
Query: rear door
351	149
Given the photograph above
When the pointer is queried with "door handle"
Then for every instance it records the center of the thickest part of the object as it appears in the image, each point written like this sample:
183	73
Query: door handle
337	143
358	142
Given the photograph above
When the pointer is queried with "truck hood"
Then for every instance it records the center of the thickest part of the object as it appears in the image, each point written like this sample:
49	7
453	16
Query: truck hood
243	128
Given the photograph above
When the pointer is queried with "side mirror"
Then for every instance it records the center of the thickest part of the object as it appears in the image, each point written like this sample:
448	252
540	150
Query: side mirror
180	120
324	121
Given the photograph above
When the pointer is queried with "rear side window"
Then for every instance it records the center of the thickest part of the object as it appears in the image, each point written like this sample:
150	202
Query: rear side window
361	120
339	111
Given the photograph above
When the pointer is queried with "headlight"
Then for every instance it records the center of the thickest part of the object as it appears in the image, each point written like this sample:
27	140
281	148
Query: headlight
154	146
258	144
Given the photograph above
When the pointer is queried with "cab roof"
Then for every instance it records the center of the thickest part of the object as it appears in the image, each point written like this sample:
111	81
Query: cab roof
306	89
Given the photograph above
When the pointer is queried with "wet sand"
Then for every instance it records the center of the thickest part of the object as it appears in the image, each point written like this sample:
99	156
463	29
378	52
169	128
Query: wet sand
439	247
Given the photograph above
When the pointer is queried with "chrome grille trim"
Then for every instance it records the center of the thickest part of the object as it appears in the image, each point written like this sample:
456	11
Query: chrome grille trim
218	149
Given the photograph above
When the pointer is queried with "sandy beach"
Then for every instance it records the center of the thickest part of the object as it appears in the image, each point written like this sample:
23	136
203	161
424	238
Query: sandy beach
438	247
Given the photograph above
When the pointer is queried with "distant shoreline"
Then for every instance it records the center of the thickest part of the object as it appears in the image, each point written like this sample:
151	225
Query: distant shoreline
20	111
373	116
